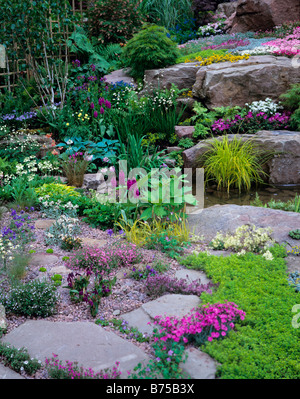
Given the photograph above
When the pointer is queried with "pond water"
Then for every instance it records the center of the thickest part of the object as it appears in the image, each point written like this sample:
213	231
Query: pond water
266	193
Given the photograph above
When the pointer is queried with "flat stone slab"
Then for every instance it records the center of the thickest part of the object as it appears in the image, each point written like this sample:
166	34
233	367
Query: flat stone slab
8	374
171	305
227	218
119	75
60	270
191	275
92	242
199	365
85	342
44	224
43	259
139	319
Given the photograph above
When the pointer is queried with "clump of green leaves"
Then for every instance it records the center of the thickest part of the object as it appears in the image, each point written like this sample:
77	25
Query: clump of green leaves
295	234
150	48
18	359
122	326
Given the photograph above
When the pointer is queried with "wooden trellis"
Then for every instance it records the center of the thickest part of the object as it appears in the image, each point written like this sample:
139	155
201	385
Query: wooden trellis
8	75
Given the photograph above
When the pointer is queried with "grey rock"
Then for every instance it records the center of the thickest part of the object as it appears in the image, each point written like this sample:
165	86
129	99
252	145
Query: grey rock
227	218
139	319
43	259
283	166
85	342
171	305
183	132
44	224
199	365
191	275
120	75
244	81
8	374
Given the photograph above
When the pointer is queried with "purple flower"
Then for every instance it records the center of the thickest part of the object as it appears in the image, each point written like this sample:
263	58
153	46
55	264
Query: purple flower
110	232
95	114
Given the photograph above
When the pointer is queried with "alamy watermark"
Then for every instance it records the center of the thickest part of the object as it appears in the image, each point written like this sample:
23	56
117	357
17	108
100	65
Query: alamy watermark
159	186
295	323
296	58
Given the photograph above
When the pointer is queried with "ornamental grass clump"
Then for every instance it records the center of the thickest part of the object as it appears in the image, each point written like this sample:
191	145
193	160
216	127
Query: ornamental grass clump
159	285
232	164
205	324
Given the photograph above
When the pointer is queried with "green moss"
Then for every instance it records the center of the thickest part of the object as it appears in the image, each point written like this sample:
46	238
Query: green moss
265	344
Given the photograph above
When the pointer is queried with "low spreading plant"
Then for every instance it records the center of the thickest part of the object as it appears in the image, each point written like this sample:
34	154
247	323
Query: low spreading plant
63	227
71	371
294	280
122	326
246	238
33	299
259	287
295	234
120	254
18	359
158	285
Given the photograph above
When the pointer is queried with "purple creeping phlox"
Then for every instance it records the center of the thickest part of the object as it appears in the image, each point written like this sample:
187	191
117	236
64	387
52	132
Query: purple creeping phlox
71	370
213	321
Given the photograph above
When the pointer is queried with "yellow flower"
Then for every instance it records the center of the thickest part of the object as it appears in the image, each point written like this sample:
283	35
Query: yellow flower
67	124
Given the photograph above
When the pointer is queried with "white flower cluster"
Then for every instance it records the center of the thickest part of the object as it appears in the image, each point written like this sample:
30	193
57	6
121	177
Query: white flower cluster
246	238
53	209
260	50
267	106
7	249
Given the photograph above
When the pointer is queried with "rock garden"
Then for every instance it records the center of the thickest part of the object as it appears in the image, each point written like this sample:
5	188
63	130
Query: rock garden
111	265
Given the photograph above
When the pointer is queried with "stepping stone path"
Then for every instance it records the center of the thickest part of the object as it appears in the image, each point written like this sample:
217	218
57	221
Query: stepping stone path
93	242
43	224
92	346
43	259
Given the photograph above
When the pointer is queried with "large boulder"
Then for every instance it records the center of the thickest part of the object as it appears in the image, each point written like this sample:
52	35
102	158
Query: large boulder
182	75
254	15
244	81
227	218
227	9
282	168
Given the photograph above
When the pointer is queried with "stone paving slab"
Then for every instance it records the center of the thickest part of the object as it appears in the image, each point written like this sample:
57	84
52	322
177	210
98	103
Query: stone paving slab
8	374
93	242
199	365
43	259
85	342
138	319
44	224
191	275
171	305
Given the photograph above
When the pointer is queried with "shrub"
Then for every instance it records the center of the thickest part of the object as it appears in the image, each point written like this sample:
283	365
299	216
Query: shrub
148	49
62	228
114	21
33	299
263	345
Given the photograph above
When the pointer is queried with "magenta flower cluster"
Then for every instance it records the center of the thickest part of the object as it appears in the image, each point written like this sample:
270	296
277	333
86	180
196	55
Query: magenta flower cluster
116	255
102	103
71	370
288	46
229	44
213	321
259	121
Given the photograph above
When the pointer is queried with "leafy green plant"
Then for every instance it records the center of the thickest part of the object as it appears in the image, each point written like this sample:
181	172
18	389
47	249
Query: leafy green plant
18	359
33	299
149	49
291	100
232	163
186	143
114	21
295	234
70	243
57	279
122	326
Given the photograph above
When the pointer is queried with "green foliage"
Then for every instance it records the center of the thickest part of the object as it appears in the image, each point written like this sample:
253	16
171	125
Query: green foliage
186	143
167	13
114	21
166	243
290	205
295	234
291	101
203	53
165	365
263	345
100	215
232	164
18	359
150	48
33	299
